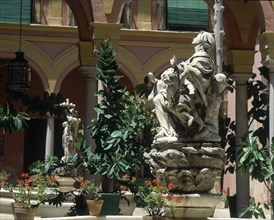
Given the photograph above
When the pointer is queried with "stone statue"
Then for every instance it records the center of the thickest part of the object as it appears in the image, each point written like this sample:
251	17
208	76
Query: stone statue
186	99
70	126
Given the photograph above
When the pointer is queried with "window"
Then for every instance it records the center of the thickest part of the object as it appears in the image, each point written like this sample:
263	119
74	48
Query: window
187	15
10	12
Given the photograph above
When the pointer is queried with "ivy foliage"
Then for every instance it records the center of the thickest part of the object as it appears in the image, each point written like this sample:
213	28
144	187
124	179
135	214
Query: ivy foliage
122	130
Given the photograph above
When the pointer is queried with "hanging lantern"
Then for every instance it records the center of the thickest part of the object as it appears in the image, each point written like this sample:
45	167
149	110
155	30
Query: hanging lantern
19	73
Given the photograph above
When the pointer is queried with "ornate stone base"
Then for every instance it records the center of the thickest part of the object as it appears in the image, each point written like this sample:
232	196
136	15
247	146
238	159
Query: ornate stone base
193	206
191	167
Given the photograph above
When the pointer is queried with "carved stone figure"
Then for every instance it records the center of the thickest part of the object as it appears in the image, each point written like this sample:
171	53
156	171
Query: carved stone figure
186	99
189	96
70	129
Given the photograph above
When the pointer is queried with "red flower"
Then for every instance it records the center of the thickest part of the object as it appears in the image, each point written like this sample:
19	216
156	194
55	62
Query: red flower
156	182
52	179
171	186
160	195
169	197
84	184
178	200
24	175
148	182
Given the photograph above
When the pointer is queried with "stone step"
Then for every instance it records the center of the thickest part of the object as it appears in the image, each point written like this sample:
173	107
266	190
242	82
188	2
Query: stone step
45	210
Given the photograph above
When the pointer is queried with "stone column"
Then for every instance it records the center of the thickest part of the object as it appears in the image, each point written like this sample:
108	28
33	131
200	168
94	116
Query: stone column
49	148
267	52
90	100
241	62
242	179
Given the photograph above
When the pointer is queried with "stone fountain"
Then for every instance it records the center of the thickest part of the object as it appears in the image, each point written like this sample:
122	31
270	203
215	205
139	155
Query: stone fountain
186	151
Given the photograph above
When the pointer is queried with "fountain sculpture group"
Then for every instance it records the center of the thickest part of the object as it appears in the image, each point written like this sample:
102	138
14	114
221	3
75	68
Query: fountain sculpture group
186	151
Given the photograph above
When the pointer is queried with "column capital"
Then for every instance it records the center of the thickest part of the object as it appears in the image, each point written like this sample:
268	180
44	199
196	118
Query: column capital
103	31
86	54
89	71
241	78
241	61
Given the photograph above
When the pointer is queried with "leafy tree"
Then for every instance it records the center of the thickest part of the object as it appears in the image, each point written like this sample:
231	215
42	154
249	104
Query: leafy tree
122	130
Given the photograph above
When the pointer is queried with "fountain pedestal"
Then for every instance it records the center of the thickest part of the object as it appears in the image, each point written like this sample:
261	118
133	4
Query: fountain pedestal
192	168
193	206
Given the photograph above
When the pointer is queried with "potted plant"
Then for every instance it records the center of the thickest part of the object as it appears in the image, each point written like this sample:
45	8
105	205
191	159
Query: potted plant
122	129
92	194
28	193
155	199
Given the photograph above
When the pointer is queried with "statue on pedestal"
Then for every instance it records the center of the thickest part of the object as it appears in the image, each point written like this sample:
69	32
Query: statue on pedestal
186	99
70	126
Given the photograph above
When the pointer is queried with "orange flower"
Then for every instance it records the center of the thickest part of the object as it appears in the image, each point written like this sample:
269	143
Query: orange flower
171	186
52	179
5	179
148	182
178	200
158	186
160	195
24	175
169	197
156	182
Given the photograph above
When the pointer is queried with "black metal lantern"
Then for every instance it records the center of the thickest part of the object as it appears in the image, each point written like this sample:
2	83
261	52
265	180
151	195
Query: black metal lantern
19	73
18	69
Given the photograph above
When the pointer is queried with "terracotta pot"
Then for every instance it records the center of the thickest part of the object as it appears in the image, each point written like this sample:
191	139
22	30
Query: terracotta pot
21	213
94	207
